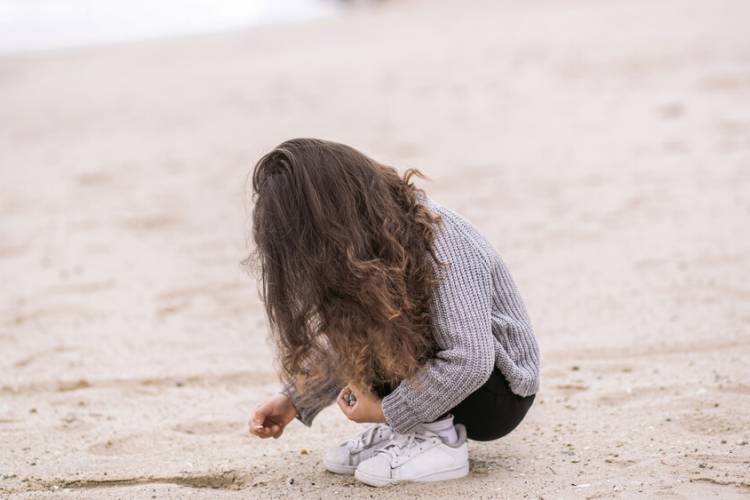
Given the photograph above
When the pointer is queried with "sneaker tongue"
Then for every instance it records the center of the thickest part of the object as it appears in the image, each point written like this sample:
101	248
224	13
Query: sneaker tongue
421	435
366	438
406	441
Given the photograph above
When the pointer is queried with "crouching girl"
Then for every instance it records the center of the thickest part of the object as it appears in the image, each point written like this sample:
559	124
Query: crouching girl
391	304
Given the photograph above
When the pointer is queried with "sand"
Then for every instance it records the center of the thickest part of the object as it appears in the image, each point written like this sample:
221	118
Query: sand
603	147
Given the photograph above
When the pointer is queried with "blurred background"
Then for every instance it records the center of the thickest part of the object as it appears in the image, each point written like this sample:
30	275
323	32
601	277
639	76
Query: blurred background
48	24
603	147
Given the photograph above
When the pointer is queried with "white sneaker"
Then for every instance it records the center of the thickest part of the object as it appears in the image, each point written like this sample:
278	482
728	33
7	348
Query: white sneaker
417	456
345	458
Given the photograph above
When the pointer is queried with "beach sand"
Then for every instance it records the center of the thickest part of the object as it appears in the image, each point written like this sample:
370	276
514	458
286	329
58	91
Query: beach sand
603	148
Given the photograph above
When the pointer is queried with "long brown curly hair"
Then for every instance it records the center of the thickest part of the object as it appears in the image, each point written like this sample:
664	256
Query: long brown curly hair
344	260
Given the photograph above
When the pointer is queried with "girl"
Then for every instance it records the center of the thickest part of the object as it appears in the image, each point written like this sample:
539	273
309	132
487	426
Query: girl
391	304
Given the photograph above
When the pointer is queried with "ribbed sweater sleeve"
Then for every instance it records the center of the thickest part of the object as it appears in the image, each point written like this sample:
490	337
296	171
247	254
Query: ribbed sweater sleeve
462	309
309	407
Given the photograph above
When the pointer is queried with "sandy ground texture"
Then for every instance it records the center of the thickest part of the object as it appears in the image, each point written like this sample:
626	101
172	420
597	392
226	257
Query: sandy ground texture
603	147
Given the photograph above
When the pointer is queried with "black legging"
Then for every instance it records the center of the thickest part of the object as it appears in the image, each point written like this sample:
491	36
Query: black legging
490	412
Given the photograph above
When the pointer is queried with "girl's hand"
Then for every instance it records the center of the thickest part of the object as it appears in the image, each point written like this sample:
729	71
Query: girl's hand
271	416
366	408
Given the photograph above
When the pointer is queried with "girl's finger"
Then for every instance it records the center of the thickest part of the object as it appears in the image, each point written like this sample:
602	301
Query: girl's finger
351	412
343	391
341	394
258	418
261	432
251	426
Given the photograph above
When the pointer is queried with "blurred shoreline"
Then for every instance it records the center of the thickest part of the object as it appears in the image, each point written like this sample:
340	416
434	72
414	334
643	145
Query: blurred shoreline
43	25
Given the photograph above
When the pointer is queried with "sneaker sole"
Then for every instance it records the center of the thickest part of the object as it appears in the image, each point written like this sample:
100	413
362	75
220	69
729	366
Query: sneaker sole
339	468
444	475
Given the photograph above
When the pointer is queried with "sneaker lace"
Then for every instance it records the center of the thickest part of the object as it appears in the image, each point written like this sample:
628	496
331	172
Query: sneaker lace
404	443
367	437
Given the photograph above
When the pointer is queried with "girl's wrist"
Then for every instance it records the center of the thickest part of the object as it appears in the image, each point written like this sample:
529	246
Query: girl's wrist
291	404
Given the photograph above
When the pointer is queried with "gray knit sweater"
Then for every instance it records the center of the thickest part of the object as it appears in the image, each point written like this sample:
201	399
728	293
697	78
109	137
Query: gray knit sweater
480	322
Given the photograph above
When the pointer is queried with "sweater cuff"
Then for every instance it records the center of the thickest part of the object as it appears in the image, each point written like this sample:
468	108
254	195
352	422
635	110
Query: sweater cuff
398	414
304	415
